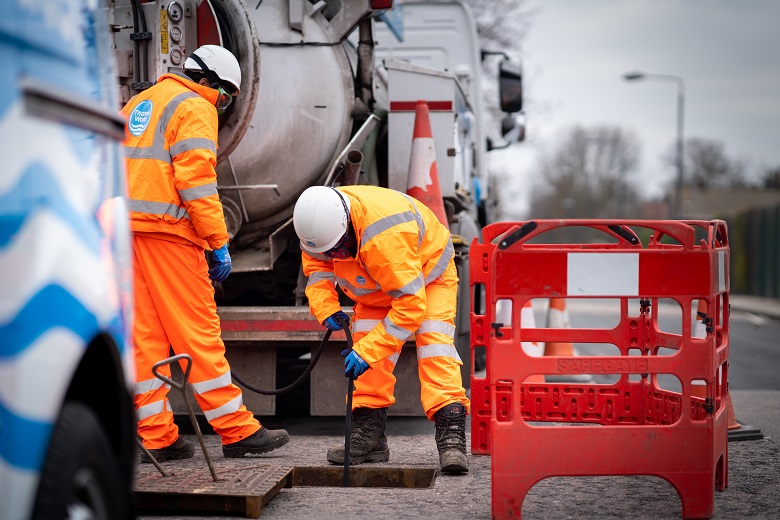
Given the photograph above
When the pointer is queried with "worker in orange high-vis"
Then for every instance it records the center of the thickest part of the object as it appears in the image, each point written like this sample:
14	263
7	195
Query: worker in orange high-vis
175	212
391	255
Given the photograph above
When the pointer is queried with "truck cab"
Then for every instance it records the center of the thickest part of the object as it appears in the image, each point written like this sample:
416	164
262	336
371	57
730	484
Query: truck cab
67	423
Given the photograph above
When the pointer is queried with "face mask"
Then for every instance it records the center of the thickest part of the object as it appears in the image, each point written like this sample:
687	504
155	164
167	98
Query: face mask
342	249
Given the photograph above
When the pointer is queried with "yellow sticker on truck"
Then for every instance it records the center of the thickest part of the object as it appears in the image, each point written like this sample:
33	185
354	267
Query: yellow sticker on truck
163	31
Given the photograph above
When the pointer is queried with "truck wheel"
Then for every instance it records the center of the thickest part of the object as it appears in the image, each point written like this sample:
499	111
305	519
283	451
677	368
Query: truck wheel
81	477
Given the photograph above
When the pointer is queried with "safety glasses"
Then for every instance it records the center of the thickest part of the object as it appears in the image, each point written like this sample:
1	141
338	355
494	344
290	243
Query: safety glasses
223	100
341	249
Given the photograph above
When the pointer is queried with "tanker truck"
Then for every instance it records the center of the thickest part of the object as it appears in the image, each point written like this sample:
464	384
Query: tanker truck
328	98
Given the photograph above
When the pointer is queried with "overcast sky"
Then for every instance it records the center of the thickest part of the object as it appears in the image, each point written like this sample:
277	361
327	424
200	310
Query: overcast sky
726	51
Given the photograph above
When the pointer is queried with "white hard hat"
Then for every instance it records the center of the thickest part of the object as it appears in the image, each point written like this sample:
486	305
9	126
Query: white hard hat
219	60
320	218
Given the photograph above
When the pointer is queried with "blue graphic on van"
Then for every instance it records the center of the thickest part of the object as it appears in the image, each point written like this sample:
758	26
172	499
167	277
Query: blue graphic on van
140	117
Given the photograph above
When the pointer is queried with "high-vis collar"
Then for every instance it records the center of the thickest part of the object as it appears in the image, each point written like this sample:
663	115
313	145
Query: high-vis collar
208	93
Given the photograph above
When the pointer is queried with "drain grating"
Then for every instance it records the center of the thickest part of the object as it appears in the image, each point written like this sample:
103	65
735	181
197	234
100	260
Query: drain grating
333	476
243	491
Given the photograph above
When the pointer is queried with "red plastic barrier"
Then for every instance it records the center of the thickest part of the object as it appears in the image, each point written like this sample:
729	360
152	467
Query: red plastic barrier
639	427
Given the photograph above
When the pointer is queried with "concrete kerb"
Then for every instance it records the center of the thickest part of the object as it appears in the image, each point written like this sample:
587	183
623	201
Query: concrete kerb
769	307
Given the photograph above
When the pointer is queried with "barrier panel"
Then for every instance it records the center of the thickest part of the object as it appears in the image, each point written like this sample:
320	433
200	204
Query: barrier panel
632	426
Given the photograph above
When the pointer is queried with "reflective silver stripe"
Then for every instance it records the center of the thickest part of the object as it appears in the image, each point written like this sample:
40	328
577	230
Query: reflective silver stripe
198	192
396	331
193	143
410	288
157	150
393	358
218	382
419	219
151	409
364	325
231	406
357	291
437	350
318	276
148	152
157	208
441	327
441	265
149	385
383	224
167	114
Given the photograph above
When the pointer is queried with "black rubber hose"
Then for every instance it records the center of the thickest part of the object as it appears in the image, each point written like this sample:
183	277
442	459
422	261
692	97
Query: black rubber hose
314	359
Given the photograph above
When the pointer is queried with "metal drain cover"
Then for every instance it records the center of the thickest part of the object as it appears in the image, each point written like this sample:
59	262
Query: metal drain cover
244	490
362	476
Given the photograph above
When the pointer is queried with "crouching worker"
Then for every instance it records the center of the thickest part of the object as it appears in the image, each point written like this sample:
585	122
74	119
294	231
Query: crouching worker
391	255
175	214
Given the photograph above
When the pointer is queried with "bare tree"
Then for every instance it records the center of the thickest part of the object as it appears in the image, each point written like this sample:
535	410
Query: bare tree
587	175
707	166
501	24
771	178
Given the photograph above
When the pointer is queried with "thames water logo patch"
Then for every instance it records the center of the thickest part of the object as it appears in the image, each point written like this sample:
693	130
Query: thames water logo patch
140	117
361	280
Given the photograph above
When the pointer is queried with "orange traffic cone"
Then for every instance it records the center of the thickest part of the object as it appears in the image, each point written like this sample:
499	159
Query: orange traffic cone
733	424
423	183
558	318
698	388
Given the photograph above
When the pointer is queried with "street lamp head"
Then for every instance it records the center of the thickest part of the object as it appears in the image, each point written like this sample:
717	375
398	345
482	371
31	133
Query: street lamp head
633	76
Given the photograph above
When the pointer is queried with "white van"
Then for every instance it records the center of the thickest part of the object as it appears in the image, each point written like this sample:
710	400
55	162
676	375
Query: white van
67	423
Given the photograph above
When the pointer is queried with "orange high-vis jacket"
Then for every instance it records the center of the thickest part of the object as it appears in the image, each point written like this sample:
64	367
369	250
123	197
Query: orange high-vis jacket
402	248
171	152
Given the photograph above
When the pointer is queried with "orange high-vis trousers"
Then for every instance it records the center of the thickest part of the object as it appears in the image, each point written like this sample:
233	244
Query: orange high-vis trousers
438	363
175	309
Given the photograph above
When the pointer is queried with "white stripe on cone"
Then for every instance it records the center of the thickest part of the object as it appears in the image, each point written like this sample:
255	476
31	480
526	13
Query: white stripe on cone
422	158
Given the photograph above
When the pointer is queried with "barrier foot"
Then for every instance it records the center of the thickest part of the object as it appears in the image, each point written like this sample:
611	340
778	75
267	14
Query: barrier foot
745	433
697	494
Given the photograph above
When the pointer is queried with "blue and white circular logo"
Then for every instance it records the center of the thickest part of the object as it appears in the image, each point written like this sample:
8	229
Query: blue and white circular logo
140	117
361	280
310	243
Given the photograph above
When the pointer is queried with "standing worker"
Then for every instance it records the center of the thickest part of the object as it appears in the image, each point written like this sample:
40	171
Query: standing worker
391	255
175	212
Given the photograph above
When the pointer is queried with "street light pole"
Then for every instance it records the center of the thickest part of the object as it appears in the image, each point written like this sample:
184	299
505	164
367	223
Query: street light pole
677	210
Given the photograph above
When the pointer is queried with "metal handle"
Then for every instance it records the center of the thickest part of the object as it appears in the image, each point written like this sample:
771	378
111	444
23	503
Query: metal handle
151	457
169	361
182	388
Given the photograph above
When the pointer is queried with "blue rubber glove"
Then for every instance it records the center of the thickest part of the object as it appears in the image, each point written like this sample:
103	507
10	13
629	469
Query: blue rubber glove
332	321
354	364
222	264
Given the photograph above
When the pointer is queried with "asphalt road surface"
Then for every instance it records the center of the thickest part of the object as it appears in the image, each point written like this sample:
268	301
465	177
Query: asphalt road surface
753	489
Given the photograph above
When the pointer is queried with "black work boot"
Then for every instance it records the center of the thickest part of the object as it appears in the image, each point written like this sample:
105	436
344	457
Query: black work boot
262	441
451	438
368	442
181	449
